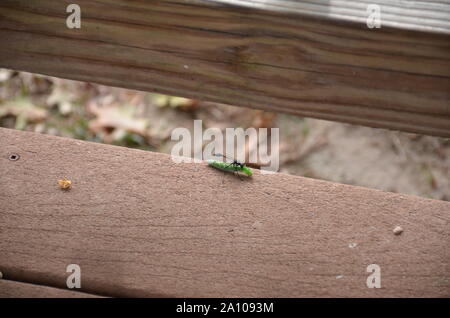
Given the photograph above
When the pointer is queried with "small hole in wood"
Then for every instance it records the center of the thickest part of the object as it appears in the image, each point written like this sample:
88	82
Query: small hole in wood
14	157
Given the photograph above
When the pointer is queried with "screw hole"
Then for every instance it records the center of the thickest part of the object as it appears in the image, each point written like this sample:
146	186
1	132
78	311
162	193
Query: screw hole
14	157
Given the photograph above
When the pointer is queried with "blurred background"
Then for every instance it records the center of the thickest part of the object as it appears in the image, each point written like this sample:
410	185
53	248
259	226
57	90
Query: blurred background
375	158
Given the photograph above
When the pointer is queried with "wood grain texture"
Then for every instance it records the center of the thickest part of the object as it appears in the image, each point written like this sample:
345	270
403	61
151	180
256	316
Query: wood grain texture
140	225
12	289
411	15
309	59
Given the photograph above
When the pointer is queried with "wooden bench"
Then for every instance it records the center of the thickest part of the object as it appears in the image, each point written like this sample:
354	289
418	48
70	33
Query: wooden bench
140	225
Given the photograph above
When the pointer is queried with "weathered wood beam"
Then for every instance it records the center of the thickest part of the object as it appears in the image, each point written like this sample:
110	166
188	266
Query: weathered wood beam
310	59
12	289
140	225
410	15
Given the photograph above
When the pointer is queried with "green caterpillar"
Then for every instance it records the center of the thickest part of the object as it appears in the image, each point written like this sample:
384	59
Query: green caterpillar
230	166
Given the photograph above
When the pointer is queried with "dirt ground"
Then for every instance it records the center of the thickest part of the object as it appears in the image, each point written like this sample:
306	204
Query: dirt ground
376	158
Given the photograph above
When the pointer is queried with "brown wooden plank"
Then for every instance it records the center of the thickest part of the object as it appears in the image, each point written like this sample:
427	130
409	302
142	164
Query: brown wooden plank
11	289
412	15
309	59
140	225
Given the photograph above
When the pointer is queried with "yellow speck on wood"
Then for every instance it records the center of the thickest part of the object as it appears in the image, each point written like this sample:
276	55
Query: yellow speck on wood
64	183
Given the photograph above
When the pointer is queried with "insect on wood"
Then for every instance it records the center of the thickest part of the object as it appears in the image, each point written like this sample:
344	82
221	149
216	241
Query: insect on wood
234	166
